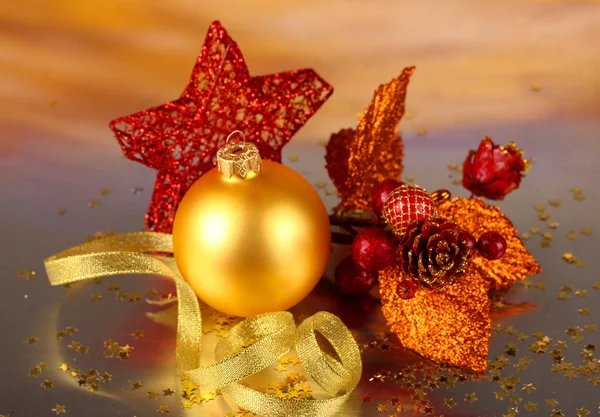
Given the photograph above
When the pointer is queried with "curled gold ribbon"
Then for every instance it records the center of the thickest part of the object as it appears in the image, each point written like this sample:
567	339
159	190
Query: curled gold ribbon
249	347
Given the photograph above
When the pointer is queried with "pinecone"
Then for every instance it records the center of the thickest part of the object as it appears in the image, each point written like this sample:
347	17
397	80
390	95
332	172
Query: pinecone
433	253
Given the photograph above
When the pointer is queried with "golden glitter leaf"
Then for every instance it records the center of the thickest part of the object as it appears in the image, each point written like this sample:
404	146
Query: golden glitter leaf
358	160
433	322
476	217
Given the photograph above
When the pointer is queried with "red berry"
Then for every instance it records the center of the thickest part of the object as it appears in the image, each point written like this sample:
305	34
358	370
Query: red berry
374	249
491	245
406	289
470	239
353	281
381	194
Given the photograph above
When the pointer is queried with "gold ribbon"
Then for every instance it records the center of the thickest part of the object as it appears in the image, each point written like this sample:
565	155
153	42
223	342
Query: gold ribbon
249	347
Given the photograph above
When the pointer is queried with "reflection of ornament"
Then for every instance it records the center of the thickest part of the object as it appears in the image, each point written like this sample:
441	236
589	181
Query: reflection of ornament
381	193
255	242
374	249
180	139
353	281
358	160
406	204
491	245
493	171
432	252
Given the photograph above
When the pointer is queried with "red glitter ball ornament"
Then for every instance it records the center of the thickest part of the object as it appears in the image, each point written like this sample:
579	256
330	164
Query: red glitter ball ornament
374	249
180	139
381	193
351	280
406	204
406	289
491	245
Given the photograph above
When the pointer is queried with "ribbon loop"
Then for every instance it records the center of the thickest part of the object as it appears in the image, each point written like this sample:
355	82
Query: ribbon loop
250	346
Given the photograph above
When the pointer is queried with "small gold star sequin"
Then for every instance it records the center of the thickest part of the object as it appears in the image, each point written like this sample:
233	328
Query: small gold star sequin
562	296
553	225
449	402
136	385
582	412
539	286
322	142
106	377
408	115
23	273
552	402
581	293
95	297
452	166
152	394
456	181
134	297
320	185
515	399
105	191
280	368
35	371
293	158
42	365
93	203
571	236
499	395
531	406
151	292
540	208
422	132
168	392
586	231
521	336
163	409
330	191
61	211
64	367
544	215
113	287
47	384
528	388
31	340
381	408
536	88
579	262
597	285
545	243
534	230
138	334
569	257
525	236
59	409
470	397
557	413
584	311
554	203
594	380
137	190
410	178
547	235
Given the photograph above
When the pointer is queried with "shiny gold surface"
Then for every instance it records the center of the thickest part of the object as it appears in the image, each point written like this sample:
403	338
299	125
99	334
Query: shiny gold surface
253	245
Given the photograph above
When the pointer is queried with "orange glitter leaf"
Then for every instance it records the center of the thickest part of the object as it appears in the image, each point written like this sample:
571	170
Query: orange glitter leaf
473	215
358	160
451	326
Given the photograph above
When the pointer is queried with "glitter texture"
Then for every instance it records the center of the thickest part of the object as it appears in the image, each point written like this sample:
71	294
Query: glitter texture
180	139
406	204
358	160
476	217
451	326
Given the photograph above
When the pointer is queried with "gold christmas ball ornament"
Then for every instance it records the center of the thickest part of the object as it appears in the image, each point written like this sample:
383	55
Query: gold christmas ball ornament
251	236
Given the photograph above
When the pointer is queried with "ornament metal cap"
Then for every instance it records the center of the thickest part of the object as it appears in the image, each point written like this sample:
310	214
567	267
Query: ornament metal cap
238	158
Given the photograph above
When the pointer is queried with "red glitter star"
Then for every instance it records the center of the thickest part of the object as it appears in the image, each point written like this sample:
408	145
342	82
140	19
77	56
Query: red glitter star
181	138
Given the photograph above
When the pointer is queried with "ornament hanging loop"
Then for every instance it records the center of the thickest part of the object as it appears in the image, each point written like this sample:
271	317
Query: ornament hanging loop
238	158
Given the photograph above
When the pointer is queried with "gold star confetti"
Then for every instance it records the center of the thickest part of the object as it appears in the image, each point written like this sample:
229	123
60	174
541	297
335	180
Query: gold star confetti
28	275
547	235
571	236
562	296
293	158
35	371
545	243
106	377
499	395
470	397
581	293
536	88
456	181
330	191
521	336
422	132
452	166
410	178
540	208
408	115
134	297
168	392
552	402
321	185
579	262
95	297
449	402
93	203
569	257
553	225
31	340
582	412
61	211
525	236
557	413
42	365
528	388
381	408
137	190
530	406
163	409
584	311
280	368
152	394
47	384
64	367
534	230
554	203
59	409
136	385
104	191
539	286
322	142
544	215
586	231
138	334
